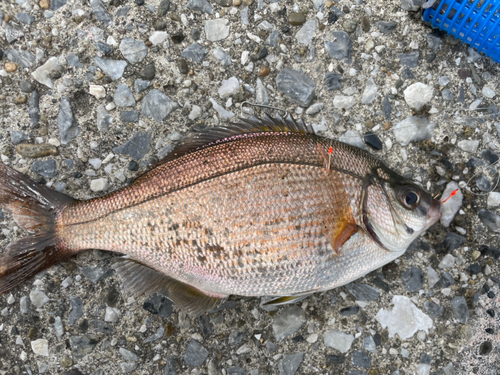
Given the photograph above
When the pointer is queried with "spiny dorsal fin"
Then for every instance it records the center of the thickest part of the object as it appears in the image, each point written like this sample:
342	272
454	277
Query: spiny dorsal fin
201	138
141	279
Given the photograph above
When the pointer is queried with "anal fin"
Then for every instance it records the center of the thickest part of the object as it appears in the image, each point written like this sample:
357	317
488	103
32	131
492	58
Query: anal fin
285	300
142	279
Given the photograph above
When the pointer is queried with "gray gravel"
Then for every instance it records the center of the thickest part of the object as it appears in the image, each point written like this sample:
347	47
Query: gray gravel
371	75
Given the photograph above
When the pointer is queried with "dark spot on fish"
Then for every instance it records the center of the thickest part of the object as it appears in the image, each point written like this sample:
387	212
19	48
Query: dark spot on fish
408	229
215	248
240	262
297	227
208	232
194	243
150	224
202	258
174	226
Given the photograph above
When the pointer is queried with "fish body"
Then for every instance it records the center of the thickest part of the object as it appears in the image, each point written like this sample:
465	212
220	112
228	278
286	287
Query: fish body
263	208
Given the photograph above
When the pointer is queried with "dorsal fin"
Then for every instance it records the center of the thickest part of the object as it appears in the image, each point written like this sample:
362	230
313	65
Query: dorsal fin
201	138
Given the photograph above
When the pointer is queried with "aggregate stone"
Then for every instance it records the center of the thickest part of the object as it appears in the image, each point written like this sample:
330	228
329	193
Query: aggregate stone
412	5
413	279
272	39
361	359
129	116
26	86
158	305
341	48
17	137
128	355
288	322
12	33
306	33
123	96
418	94
290	363
24	305
141	85
100	11
68	127
101	327
369	343
195	354
446	279
453	241
413	129
315	108
217	29
235	370
104	119
57	4
136	147
236	337
333	81
299	87
363	292
433	309
96	274
113	68
112	314
73	61
40	347
370	92
490	219
338	340
372	140
386	27
45	168
26	18
158	105
348	311
24	59
82	345
43	73
149	72
104	48
200	6
170	368
222	57
460	309
194	52
409	59
133	50
128	367
76	309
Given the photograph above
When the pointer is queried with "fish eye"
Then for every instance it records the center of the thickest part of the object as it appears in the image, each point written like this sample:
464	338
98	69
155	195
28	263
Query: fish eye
409	197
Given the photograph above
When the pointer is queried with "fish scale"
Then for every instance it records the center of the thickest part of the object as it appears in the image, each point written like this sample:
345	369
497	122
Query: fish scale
263	208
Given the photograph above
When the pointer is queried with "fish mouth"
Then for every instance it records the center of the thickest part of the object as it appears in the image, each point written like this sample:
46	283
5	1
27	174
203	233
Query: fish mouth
433	213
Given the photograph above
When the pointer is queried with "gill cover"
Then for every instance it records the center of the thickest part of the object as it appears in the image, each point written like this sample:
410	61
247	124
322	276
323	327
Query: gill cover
396	211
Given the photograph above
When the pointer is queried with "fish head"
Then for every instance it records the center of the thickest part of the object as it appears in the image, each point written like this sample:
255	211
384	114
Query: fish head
396	211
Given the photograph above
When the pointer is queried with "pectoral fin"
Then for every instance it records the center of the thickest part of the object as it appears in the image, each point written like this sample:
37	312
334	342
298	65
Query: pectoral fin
141	279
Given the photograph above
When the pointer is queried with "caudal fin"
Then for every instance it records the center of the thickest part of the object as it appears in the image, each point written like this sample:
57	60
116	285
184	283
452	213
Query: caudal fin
34	207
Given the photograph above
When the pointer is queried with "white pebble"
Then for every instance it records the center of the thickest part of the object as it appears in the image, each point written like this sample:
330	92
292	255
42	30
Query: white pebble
112	314
98	91
99	184
40	347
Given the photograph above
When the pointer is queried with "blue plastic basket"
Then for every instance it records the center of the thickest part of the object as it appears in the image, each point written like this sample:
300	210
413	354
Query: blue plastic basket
476	22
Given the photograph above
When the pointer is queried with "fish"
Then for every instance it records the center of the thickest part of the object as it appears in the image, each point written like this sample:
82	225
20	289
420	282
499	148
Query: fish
263	207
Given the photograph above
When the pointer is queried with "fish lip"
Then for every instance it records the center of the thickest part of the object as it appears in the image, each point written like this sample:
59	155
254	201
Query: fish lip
433	213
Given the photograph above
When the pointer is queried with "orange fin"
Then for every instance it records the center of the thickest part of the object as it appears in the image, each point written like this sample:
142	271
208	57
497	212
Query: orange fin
347	231
141	279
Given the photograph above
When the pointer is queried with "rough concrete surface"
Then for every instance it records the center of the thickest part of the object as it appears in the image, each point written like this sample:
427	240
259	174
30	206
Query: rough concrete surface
94	92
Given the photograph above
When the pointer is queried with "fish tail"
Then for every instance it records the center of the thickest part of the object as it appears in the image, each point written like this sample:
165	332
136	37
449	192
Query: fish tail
35	208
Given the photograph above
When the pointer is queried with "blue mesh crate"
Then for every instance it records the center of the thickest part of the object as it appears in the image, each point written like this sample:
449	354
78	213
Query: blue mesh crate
476	22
